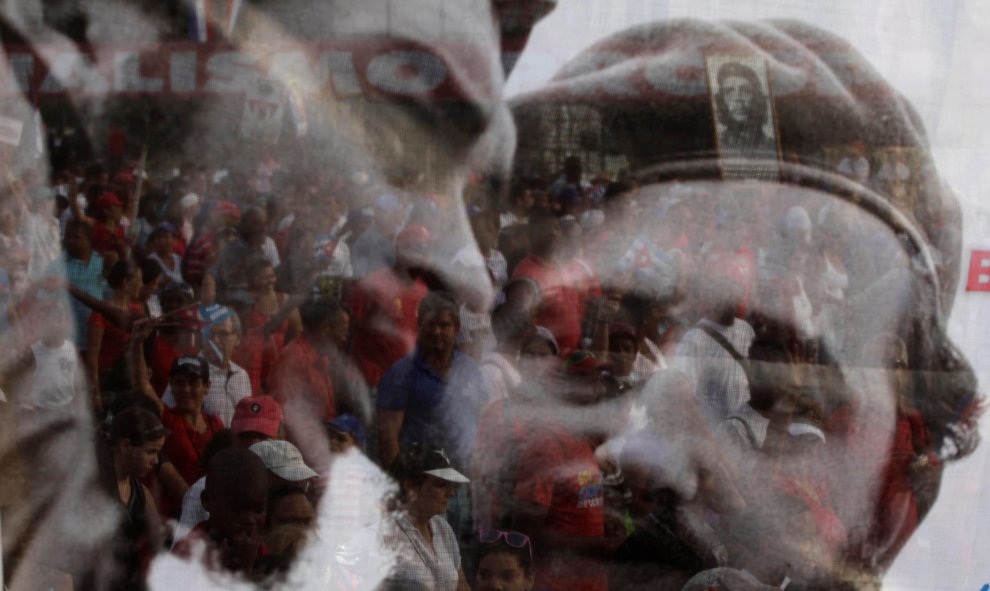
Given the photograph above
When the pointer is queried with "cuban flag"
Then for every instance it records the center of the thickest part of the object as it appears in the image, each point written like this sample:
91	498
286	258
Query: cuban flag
297	109
213	20
640	255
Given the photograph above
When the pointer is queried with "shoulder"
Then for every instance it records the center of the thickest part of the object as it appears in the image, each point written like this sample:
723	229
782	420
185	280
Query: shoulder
546	442
238	372
171	420
527	267
214	421
466	365
445	533
395	376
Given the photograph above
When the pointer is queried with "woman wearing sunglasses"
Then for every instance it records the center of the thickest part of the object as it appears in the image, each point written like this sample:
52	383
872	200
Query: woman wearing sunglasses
427	553
505	561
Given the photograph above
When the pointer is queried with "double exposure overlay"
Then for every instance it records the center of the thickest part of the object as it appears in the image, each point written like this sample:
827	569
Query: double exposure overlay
293	295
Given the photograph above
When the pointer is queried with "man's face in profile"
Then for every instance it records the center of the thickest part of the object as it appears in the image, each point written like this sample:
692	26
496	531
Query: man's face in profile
737	92
858	399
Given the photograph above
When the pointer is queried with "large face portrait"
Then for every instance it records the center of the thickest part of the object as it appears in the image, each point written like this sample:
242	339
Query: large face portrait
391	114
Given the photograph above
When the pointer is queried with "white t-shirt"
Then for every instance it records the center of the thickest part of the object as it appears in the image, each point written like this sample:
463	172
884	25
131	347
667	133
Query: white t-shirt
56	375
417	566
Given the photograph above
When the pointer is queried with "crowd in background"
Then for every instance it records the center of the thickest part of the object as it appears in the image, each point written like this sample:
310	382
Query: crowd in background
214	310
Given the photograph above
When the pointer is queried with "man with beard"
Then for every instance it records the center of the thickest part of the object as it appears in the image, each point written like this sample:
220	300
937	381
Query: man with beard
465	131
902	268
742	113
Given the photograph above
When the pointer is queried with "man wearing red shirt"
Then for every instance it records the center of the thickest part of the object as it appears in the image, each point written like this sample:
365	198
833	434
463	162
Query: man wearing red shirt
235	496
559	497
385	304
201	254
108	234
560	304
300	379
190	428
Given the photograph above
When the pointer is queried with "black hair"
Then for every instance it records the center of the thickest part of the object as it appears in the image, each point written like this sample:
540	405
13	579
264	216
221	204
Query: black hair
120	272
221	440
137	425
735	69
150	270
509	324
437	302
158	232
500	547
78	224
317	310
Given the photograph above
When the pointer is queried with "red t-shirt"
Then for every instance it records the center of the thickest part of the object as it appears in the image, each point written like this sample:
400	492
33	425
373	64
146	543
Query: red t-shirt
107	240
163	354
302	374
385	321
115	339
560	301
559	471
258	351
184	446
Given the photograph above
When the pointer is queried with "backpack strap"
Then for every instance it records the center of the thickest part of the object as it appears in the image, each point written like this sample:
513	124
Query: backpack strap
723	342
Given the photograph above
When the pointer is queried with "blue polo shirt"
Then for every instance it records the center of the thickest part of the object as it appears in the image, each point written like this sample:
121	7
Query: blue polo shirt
87	276
442	410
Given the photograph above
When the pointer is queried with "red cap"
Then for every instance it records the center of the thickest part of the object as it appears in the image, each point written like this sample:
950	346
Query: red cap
108	199
262	414
190	319
583	363
413	234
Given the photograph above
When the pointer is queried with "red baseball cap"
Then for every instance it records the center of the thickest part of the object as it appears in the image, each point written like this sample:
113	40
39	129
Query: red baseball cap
107	200
262	414
584	363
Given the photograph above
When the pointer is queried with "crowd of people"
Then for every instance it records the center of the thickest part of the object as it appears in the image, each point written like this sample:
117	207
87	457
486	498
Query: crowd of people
212	329
673	379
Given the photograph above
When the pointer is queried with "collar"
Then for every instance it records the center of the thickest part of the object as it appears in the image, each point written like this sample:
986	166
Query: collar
420	362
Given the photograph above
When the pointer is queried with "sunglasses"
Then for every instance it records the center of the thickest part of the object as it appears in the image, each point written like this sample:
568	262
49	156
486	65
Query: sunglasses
513	539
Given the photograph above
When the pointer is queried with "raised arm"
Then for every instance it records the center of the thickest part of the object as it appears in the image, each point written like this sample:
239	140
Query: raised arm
140	376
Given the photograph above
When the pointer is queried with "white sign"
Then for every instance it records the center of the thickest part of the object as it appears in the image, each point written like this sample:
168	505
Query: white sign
264	107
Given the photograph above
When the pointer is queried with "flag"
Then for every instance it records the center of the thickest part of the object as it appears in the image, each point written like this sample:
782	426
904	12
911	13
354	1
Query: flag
213	20
297	109
638	256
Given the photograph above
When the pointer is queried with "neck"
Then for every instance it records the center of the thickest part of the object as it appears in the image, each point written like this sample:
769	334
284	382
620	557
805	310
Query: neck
193	417
218	358
438	360
119	472
421	523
